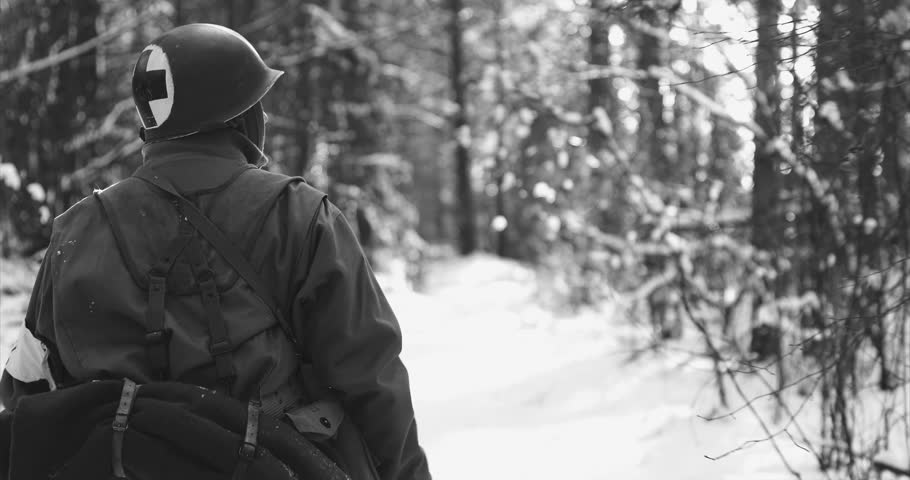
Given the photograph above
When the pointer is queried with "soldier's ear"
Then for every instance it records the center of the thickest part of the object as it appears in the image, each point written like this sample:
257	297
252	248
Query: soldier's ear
142	133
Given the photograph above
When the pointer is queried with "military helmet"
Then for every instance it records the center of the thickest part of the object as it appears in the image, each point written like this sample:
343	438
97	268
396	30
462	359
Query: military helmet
195	78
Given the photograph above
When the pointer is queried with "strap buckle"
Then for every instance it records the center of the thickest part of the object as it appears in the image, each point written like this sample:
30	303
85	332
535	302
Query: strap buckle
120	424
251	436
247	451
157	281
156	337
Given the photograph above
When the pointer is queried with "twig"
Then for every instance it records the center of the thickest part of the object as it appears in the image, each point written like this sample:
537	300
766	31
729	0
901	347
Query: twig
797	444
883	465
716	354
749	402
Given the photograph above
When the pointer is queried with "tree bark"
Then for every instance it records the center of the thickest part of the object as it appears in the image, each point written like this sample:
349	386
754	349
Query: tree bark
464	194
651	127
602	101
602	94
765	176
178	13
866	67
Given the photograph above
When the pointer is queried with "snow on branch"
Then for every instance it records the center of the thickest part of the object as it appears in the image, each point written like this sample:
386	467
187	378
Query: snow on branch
28	68
674	81
619	244
108	126
816	185
645	290
103	162
330	35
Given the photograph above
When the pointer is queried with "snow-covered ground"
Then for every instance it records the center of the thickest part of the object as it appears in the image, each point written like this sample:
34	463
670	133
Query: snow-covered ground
504	389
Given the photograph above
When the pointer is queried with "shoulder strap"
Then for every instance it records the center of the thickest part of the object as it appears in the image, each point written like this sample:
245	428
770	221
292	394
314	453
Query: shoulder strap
223	246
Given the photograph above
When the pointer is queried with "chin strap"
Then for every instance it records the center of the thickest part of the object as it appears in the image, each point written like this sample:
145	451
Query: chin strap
251	125
254	154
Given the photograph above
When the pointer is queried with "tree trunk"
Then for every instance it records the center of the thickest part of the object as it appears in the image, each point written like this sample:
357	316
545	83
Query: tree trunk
501	232
464	194
765	176
363	117
602	103
865	69
178	13
651	127
306	117
602	94
357	117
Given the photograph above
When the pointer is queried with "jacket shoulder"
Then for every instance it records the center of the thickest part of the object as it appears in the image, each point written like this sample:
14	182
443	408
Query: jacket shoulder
86	210
296	190
295	181
306	193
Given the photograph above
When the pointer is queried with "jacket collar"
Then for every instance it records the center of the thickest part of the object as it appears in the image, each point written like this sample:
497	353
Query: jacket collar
204	161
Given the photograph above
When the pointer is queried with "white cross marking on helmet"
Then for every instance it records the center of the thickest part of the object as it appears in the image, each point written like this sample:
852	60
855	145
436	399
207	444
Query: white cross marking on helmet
158	88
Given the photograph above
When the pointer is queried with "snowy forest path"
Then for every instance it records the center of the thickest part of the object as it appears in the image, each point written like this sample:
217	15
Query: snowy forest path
503	389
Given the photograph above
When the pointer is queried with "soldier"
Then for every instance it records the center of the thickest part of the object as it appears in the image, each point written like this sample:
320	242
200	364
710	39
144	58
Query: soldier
133	287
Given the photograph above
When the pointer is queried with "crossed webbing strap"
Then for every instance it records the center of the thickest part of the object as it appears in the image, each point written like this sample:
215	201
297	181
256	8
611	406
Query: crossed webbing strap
220	346
156	336
231	254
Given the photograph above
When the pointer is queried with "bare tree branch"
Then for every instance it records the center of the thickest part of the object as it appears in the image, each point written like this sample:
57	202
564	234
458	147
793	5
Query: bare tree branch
715	353
100	163
664	73
28	68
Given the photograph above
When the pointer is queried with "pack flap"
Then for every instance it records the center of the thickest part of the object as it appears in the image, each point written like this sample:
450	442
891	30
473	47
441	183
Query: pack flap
318	420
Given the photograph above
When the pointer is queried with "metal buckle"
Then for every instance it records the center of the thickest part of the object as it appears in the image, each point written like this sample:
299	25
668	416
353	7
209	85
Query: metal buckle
120	425
157	336
248	451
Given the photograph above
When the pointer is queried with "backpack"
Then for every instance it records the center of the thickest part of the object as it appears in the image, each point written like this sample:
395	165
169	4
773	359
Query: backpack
160	430
166	429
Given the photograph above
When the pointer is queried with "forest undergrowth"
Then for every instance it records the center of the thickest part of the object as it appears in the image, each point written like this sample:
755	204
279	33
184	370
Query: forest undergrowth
842	354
